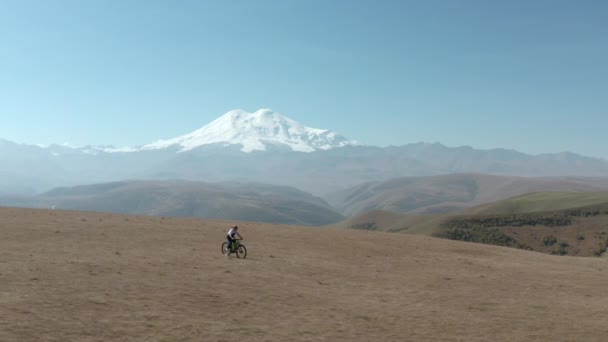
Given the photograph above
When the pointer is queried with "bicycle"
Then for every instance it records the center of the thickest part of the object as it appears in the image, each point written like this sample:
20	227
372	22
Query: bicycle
237	248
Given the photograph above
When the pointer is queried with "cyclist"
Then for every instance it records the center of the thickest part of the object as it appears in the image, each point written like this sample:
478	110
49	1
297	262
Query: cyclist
230	236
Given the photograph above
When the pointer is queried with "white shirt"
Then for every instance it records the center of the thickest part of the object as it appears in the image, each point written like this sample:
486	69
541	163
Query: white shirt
231	232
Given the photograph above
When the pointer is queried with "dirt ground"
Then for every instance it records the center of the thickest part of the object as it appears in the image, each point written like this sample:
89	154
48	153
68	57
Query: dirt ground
69	276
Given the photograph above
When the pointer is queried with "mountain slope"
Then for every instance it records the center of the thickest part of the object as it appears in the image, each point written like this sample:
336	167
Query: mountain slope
254	132
238	201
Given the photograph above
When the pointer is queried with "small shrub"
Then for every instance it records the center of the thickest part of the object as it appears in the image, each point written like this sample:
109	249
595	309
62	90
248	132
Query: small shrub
365	226
602	248
490	236
549	240
580	237
559	250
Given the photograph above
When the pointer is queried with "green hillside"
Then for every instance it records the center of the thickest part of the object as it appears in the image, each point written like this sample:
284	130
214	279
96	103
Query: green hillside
580	231
388	221
549	222
541	201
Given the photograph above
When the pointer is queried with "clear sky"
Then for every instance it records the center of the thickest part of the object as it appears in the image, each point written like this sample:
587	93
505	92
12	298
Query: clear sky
525	74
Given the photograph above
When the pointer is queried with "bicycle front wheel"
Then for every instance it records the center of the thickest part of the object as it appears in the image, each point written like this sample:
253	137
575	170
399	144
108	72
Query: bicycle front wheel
241	252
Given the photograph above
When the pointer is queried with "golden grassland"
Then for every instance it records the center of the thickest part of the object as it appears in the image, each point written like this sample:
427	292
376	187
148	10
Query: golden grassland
74	276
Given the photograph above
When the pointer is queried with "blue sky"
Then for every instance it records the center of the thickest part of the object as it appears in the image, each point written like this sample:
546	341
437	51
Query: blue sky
530	75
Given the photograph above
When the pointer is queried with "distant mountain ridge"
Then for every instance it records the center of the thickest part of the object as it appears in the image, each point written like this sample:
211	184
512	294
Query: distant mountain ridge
266	147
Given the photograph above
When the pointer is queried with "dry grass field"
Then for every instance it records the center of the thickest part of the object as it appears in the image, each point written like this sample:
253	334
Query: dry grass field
73	276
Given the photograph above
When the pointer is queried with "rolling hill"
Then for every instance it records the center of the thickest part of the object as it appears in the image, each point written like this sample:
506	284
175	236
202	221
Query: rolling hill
548	222
541	201
556	223
449	193
237	201
77	276
388	221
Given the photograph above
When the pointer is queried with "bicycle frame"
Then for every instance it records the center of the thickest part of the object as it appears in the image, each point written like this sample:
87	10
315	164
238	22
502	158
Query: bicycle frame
235	245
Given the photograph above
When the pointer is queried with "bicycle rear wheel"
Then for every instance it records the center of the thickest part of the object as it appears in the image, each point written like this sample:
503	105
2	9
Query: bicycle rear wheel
225	248
241	252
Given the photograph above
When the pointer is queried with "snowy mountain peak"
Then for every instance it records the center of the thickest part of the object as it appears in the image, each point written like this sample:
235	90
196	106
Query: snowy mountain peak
254	132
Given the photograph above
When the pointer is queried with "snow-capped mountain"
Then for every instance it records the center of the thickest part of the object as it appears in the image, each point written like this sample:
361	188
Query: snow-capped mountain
254	132
27	169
